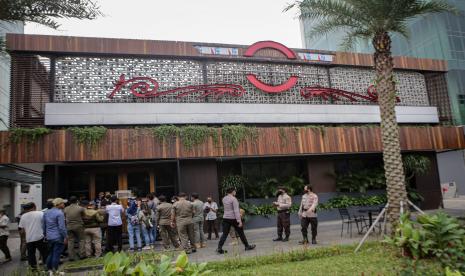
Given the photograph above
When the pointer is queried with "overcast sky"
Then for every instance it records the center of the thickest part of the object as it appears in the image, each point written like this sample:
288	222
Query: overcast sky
235	22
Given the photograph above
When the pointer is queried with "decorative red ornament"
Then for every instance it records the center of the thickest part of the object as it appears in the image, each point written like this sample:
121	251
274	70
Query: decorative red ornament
145	87
250	52
335	94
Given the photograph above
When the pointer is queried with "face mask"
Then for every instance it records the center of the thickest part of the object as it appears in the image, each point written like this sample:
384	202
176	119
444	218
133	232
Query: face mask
209	201
279	193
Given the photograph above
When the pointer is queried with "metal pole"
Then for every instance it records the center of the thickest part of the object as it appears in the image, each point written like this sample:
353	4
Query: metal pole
372	227
415	207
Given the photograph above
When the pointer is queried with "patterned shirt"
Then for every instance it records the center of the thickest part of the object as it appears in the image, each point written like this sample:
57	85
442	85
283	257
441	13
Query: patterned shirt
308	205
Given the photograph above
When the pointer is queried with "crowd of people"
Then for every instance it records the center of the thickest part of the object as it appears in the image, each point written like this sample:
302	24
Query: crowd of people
96	226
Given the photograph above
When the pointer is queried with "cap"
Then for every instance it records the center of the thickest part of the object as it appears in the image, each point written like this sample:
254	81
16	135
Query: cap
58	201
84	202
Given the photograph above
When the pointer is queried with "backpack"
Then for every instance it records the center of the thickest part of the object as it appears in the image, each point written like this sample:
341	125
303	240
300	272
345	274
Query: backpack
134	220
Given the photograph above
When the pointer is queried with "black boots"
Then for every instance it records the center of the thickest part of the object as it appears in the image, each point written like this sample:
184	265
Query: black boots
221	251
250	247
286	239
313	241
279	238
304	240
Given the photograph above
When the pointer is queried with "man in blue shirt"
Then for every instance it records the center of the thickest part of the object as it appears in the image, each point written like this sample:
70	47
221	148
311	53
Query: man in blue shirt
55	232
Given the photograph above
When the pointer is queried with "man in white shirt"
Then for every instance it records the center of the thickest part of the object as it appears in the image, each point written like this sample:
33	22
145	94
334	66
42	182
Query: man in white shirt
115	225
4	233
31	224
210	207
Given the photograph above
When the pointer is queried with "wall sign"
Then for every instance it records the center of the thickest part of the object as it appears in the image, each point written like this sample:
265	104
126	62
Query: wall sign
146	87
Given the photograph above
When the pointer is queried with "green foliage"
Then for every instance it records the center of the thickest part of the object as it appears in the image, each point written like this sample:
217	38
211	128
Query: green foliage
232	181
361	181
120	264
31	135
234	135
267	187
90	136
46	12
347	201
432	236
191	135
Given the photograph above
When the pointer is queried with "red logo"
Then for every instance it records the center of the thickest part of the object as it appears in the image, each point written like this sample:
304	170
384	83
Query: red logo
250	52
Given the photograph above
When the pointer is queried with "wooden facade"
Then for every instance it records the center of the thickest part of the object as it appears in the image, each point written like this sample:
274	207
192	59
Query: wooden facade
138	144
43	44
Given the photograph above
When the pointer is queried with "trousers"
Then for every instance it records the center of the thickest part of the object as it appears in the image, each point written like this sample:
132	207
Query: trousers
4	246
169	236
284	223
304	222
211	226
227	224
93	236
198	232
186	234
115	237
32	247
76	234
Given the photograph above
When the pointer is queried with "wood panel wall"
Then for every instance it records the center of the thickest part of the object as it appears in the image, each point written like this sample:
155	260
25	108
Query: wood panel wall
133	144
112	46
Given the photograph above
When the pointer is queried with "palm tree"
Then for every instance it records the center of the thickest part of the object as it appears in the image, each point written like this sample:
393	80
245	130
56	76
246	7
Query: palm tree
375	20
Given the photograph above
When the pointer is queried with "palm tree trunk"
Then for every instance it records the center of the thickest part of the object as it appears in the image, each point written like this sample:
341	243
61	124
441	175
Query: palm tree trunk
385	86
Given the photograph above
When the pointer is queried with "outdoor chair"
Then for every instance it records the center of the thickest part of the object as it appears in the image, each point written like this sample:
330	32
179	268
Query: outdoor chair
348	219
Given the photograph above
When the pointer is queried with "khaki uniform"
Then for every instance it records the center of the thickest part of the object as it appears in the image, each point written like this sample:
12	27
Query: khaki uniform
198	223
163	218
92	232
75	227
183	211
284	215
307	213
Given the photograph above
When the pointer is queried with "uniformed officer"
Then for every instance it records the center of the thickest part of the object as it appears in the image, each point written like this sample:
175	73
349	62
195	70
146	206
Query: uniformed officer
181	218
283	204
307	214
168	234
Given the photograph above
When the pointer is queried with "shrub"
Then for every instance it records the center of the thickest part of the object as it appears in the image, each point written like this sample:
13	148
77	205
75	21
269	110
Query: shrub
432	236
119	264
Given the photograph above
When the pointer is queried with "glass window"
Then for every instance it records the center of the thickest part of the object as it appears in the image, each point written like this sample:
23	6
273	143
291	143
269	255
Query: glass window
106	182
139	183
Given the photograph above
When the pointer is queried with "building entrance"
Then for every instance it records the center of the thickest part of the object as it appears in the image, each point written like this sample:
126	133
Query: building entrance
87	181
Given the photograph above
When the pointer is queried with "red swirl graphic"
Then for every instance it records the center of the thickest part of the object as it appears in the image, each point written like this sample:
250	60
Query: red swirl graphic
337	94
145	87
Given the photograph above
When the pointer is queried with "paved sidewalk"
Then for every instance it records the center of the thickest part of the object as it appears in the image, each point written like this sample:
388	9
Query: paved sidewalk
329	233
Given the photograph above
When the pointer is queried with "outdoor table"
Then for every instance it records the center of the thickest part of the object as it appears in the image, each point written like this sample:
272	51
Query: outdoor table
370	212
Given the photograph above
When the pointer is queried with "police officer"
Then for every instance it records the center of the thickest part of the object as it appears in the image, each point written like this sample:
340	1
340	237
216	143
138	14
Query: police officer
283	204
307	214
181	218
163	218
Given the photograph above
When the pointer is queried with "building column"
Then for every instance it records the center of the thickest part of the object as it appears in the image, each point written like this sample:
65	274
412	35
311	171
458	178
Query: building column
320	175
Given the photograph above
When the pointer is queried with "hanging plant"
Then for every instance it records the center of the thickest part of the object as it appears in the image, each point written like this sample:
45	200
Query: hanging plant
192	135
234	135
31	135
166	132
90	136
